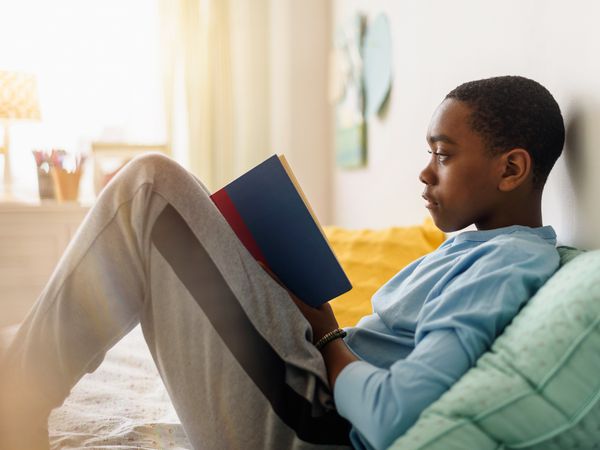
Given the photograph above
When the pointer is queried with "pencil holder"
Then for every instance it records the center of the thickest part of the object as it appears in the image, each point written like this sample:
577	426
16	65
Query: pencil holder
45	184
66	184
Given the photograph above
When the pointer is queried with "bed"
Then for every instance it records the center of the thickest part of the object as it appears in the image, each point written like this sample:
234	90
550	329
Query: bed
122	405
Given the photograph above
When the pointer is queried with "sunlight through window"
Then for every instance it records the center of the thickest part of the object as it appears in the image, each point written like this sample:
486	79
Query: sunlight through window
98	69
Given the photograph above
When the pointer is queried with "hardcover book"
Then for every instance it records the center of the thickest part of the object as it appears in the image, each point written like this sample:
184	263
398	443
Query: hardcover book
269	213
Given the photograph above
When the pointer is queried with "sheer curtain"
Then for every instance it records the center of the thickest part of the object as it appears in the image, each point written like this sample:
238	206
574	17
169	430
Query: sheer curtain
215	68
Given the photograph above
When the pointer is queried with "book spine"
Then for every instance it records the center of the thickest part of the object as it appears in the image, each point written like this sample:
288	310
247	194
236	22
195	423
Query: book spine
227	208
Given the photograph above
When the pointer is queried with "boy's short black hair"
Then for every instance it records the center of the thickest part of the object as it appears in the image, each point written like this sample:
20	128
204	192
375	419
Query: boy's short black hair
516	112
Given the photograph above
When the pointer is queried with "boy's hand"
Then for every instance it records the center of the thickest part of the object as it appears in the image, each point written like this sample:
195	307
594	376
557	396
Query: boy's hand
335	354
321	319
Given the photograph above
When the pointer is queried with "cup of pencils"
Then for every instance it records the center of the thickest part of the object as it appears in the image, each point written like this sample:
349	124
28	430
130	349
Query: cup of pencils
45	182
66	170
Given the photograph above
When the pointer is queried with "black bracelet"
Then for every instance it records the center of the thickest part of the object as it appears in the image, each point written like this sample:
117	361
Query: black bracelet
331	336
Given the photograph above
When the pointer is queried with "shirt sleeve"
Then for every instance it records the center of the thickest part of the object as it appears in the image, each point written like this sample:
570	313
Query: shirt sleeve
381	404
456	325
485	290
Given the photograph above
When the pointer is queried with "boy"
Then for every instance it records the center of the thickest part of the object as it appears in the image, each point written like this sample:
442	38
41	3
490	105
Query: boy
236	356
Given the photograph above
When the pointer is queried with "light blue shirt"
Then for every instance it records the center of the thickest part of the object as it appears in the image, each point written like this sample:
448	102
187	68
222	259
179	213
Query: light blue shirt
432	321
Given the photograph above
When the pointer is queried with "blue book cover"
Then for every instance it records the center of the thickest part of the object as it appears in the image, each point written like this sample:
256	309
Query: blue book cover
269	213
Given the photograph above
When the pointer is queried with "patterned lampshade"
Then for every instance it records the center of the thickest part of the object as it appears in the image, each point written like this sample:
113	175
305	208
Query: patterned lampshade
18	96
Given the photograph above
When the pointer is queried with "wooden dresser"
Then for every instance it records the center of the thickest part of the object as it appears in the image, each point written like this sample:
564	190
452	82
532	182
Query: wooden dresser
33	237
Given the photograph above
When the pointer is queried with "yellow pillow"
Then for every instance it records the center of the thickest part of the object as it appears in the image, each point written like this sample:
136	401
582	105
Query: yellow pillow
371	257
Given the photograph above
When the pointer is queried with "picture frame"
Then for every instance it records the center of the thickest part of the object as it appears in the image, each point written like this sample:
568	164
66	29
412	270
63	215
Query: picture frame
110	157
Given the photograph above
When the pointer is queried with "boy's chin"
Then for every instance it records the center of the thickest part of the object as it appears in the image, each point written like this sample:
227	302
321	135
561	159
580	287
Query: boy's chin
447	226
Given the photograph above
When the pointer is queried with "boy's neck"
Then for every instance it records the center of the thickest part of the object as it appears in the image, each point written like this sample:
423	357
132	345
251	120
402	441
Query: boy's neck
526	213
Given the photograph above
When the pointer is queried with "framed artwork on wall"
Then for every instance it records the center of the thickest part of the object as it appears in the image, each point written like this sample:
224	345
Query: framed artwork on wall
350	125
360	84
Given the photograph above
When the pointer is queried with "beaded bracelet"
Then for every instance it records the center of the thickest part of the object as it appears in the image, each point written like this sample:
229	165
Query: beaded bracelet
331	336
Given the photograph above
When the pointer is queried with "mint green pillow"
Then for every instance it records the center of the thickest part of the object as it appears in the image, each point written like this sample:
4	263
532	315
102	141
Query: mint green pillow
539	385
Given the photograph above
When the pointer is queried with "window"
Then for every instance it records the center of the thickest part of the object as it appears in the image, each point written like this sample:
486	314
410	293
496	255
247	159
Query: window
99	76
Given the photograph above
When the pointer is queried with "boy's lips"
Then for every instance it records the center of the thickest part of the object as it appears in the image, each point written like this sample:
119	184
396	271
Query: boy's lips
431	203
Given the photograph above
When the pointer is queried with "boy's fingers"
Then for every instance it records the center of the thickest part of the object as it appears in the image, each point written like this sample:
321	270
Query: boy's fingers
300	304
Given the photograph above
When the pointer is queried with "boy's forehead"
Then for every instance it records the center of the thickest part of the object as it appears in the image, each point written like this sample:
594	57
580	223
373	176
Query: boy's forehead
432	138
449	120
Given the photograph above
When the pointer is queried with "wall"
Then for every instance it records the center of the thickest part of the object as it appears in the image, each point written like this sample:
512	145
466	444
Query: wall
437	46
300	119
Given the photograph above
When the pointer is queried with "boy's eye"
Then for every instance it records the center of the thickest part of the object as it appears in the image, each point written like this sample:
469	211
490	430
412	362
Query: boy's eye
440	157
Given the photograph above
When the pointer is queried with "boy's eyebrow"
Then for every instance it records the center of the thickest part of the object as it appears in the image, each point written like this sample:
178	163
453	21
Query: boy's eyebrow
440	138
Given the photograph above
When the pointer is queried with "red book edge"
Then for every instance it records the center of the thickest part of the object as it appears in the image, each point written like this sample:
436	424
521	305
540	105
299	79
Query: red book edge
227	208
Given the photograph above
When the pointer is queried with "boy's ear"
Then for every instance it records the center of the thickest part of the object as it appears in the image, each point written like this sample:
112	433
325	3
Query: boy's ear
516	167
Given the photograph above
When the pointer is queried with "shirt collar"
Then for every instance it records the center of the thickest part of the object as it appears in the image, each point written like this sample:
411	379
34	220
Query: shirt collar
546	232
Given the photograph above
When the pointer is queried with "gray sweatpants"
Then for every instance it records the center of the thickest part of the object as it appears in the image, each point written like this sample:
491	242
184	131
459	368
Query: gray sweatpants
233	351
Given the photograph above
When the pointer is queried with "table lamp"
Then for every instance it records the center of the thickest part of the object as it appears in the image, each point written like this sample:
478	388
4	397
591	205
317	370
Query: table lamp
18	101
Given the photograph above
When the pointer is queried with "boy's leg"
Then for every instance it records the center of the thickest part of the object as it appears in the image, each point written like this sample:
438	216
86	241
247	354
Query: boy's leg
231	347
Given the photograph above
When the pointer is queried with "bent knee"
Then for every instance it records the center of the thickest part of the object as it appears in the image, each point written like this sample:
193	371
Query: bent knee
153	160
153	164
156	167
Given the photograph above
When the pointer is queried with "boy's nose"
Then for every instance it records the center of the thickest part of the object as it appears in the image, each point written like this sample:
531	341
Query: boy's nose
427	176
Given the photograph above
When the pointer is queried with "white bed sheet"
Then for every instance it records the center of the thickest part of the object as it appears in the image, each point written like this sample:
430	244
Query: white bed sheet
122	405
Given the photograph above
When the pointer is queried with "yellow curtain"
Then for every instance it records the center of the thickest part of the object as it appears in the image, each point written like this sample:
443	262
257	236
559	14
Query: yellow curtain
215	66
